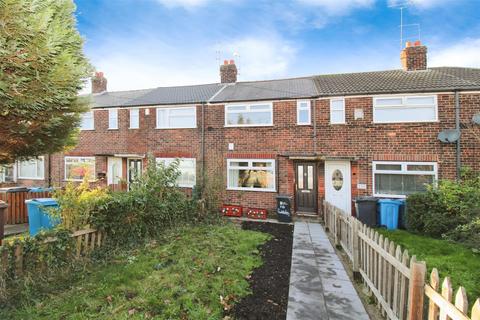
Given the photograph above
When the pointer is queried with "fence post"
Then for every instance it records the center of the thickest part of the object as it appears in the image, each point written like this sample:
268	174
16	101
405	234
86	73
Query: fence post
355	249
335	226
416	290
3	219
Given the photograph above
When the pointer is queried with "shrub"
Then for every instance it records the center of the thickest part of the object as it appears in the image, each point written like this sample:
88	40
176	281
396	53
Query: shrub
77	203
468	234
444	207
153	204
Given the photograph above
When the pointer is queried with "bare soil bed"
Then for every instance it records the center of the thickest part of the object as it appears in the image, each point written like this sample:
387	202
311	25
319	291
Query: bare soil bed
270	282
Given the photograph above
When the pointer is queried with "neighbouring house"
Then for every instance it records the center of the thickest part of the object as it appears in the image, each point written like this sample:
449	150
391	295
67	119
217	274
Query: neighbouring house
330	137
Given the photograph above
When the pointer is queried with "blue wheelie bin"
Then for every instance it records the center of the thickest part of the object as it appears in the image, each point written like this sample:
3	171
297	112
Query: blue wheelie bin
38	217
389	211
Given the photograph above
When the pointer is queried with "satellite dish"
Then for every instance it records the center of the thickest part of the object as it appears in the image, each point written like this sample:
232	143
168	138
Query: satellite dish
476	118
449	135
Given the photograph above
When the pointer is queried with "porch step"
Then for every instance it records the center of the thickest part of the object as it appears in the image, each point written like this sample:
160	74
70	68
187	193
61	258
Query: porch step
306	217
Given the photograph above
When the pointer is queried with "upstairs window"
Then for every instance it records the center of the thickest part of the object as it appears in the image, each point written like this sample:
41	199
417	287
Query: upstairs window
32	169
405	109
260	114
77	168
303	112
337	111
399	179
134	118
187	168
253	175
87	122
176	118
112	118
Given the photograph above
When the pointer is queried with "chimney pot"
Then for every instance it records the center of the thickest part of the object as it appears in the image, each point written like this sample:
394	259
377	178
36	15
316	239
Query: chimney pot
232	62
225	62
417	43
408	44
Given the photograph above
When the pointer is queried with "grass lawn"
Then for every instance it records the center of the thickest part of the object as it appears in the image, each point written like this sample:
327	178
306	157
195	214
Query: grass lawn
181	276
459	263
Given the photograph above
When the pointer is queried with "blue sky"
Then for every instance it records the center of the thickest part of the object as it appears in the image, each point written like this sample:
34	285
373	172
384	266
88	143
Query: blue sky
151	43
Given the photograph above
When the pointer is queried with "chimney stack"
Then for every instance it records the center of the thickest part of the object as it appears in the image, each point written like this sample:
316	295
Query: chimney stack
414	56
228	72
99	83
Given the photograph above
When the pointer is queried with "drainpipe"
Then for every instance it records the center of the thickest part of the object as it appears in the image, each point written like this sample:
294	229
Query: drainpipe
49	170
457	127
203	147
314	127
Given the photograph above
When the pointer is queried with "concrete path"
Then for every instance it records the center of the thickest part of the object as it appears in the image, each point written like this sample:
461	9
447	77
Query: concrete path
319	285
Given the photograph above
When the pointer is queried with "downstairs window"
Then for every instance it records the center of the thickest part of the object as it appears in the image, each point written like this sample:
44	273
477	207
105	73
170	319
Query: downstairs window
399	179
253	175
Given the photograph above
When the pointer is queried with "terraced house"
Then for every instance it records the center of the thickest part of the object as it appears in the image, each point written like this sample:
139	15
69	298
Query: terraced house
320	137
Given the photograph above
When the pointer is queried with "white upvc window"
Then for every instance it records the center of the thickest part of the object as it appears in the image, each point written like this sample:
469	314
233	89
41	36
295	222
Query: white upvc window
394	109
337	111
33	169
399	179
8	173
249	115
87	121
112	118
187	168
304	112
176	118
251	174
134	118
77	168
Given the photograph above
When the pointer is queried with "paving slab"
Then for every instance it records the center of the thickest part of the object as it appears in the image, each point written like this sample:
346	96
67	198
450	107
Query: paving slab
319	285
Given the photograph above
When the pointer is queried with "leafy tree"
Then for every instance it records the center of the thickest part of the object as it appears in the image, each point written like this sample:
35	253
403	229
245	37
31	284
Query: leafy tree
41	70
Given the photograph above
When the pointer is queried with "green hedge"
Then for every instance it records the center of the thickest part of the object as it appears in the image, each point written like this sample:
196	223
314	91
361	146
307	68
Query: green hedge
449	210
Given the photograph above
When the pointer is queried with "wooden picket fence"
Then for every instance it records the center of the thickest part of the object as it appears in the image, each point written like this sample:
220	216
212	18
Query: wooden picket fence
396	280
86	241
17	209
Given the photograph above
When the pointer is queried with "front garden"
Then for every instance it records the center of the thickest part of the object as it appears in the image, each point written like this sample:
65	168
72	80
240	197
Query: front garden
162	255
443	229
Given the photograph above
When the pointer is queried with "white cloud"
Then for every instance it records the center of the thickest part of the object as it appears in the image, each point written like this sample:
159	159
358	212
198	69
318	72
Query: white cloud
148	63
338	7
421	4
260	57
465	53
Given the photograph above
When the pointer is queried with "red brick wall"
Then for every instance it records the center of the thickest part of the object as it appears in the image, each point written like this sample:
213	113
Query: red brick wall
361	140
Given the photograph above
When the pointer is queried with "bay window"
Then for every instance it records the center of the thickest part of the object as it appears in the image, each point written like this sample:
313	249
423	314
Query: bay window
244	115
254	175
399	179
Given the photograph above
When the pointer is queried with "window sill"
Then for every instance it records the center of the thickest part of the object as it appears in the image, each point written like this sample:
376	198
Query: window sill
27	178
175	128
133	128
112	129
304	124
338	123
406	122
251	189
386	196
248	125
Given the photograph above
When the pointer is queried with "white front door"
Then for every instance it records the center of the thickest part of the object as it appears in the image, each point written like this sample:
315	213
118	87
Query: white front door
114	173
338	185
